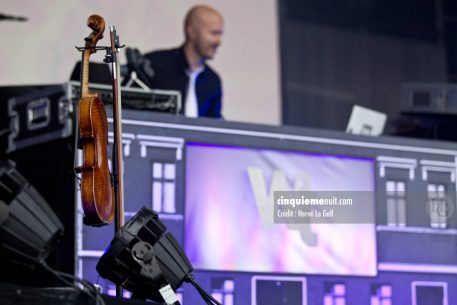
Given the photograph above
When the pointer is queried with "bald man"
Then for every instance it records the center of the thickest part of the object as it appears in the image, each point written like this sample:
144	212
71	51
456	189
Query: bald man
185	68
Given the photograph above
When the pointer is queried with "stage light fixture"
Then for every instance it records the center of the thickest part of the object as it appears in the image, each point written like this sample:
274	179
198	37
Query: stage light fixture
29	229
144	258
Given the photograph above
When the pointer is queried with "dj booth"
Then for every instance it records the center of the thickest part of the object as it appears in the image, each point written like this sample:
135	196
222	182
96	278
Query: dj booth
211	182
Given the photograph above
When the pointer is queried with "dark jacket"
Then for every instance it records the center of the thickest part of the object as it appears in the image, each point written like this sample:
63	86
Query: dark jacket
169	73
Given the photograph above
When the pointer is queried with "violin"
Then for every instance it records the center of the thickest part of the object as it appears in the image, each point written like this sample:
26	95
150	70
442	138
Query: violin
96	185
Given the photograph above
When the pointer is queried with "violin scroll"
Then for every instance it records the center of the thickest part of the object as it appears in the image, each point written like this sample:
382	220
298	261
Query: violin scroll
97	24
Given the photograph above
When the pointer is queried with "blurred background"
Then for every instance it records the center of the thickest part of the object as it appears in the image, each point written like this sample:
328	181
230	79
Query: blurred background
292	59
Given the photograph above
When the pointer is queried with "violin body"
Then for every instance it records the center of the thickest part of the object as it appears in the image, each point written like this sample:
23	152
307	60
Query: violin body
96	185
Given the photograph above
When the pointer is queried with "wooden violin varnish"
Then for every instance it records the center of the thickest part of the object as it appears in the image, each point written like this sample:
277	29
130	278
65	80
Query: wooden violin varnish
96	185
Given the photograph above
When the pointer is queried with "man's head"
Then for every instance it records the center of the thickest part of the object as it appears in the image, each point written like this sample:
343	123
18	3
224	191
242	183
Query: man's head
203	28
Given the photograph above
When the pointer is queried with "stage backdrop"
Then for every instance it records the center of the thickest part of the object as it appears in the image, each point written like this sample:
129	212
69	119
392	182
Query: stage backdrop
41	50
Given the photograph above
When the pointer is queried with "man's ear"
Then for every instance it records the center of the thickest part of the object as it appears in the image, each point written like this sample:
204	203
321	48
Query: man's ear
191	32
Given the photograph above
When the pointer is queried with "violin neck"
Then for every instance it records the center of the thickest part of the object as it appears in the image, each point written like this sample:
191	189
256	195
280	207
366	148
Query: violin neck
85	74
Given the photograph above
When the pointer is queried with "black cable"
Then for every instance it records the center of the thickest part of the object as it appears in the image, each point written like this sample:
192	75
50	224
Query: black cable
202	293
63	280
205	295
89	290
61	276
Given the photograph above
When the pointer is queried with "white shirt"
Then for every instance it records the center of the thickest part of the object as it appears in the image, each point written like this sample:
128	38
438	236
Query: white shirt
191	104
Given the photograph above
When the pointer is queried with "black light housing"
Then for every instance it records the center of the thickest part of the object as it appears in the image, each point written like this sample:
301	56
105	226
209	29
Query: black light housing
143	257
29	229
